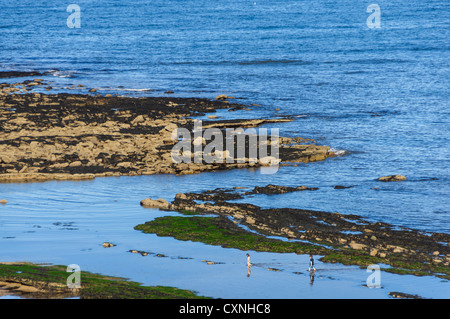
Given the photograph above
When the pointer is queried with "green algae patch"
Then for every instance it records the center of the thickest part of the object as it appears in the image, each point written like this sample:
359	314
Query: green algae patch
221	231
37	281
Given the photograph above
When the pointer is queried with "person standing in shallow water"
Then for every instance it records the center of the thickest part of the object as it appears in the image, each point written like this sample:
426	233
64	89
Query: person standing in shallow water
249	264
311	263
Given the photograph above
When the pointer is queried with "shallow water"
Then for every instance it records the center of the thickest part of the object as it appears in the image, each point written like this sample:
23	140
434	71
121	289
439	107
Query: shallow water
380	95
67	222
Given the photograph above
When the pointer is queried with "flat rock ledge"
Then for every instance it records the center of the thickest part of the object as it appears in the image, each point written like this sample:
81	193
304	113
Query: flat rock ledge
345	238
81	136
36	177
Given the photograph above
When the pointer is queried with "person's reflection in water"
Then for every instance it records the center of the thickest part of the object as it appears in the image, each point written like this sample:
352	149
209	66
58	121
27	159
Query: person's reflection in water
311	277
248	271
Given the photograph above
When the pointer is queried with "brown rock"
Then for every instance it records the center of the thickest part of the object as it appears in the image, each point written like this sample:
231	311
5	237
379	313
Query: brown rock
223	97
392	178
76	163
158	203
357	246
138	119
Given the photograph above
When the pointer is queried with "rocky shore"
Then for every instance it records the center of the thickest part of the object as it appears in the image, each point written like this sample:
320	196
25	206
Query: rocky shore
83	136
47	136
347	239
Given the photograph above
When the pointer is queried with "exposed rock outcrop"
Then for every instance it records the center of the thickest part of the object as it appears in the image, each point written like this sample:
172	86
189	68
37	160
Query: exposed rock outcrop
355	238
75	136
155	203
392	178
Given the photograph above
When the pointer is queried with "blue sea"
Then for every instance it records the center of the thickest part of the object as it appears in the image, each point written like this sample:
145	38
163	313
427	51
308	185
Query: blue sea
378	96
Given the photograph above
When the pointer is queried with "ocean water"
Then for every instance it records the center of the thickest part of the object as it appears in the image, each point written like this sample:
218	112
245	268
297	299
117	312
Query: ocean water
381	96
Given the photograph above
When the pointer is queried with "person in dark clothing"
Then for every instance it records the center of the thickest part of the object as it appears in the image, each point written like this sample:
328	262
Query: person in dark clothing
311	263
